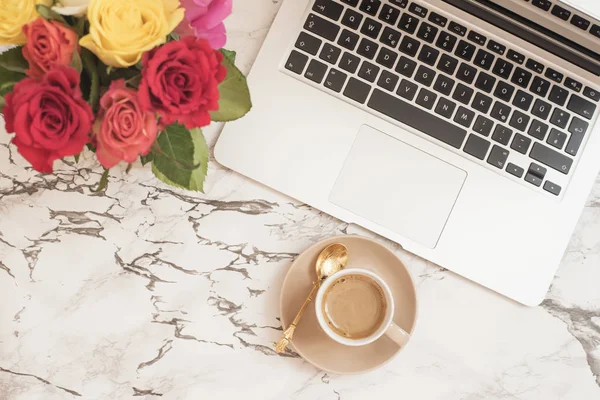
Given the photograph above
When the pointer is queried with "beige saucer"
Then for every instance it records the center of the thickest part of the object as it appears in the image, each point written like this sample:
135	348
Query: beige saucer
311	342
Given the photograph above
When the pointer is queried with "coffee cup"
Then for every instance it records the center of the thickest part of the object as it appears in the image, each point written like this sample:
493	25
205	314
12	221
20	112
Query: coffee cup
355	307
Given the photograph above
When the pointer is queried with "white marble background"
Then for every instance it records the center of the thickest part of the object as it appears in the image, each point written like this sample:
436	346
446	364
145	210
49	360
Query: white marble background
148	292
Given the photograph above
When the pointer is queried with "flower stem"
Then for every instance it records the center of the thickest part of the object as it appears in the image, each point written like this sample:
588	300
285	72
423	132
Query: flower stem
89	64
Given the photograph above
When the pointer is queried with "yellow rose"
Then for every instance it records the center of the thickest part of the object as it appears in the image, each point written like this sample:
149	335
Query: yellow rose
13	15
122	31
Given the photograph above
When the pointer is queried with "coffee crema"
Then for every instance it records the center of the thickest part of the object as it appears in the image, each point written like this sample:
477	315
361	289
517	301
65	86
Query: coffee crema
354	306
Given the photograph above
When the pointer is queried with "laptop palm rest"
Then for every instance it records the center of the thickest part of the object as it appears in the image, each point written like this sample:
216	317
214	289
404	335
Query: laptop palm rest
397	186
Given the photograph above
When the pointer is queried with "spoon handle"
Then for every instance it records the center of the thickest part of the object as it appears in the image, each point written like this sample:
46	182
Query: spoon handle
288	334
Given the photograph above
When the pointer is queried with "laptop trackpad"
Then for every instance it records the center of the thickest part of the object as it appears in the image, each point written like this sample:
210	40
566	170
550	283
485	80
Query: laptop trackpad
398	186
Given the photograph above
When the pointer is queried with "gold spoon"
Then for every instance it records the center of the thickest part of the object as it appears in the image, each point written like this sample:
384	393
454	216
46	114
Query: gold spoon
331	260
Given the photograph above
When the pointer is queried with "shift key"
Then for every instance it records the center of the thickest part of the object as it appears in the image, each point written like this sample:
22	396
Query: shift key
551	158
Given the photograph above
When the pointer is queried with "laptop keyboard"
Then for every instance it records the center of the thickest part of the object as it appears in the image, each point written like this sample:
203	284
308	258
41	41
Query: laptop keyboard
476	95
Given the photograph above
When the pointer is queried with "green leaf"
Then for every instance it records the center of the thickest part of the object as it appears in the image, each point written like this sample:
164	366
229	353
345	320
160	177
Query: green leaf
147	159
77	156
76	62
235	99
2	103
13	61
180	158
49	14
89	63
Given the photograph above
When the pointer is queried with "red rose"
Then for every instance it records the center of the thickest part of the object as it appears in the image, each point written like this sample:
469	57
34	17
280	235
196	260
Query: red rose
49	44
181	81
50	118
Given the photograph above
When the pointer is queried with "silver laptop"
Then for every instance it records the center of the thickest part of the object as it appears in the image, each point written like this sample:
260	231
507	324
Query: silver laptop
464	130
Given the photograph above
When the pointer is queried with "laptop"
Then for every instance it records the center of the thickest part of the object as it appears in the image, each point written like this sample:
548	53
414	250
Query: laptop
464	130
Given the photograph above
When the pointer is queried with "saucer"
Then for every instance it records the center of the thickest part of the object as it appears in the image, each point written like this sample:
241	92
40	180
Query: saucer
311	342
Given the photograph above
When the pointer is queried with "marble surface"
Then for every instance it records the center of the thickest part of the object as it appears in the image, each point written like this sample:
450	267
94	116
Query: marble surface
148	292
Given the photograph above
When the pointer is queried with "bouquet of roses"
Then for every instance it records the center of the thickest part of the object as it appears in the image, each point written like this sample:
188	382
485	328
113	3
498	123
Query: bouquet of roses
127	79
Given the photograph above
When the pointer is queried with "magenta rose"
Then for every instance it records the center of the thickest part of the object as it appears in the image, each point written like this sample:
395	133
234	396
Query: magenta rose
204	19
123	130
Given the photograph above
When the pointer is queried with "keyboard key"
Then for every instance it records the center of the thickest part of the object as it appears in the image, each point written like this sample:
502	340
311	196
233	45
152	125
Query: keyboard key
595	30
367	49
328	8
407	89
533	179
400	3
335	80
496	47
551	158
447	64
516	57
463	94
498	157
464	117
541	109
446	41
316	71
543	4
477	37
573	84
484	60
389	14
485	82
418	10
425	75
561	13
427	32
552	188
581	106
368	71
581	22
426	99
460	29
352	19
428	55
558	95
438	19
502	68
557	138
560	118
523	100
466	73
482	103
521	77
502	134
519	121
535	65
388	81
504	91
443	84
537	170
538	129
357	90
515	170
296	62
445	107
554	75
409	46
348	39
483	126
500	112
387	57
417	118
370	6
476	146
352	3
591	94
408	23
321	27
308	43
330	53
577	129
540	86
578	126
349	62
520	143
371	28
390	37
465	50
406	67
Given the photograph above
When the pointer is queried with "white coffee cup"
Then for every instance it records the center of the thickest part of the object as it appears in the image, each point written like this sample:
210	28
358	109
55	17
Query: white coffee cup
387	327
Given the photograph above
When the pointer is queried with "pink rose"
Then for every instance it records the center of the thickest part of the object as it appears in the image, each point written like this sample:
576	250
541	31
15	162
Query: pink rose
123	130
204	19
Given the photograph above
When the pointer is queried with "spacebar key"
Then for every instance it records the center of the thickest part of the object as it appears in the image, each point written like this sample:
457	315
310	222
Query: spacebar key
416	118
